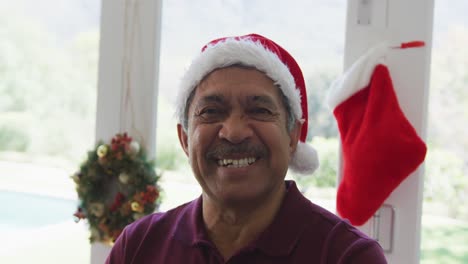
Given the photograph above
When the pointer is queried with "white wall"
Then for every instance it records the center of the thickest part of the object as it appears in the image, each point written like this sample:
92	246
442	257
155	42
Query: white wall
399	21
128	76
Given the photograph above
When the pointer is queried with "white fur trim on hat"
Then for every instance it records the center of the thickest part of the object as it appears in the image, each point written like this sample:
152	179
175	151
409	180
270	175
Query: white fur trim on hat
245	52
304	160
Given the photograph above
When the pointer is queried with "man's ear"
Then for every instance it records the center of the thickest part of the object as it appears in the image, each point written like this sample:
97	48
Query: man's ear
294	136
183	139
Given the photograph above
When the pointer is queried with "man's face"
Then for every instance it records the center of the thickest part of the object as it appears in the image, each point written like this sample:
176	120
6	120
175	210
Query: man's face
237	141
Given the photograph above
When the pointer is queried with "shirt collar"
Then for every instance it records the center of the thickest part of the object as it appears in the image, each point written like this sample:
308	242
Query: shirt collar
189	227
279	239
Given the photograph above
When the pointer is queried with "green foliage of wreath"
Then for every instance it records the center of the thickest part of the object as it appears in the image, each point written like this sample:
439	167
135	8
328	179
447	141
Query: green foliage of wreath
116	185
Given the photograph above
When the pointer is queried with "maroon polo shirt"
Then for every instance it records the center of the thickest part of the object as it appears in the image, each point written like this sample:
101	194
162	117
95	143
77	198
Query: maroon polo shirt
301	232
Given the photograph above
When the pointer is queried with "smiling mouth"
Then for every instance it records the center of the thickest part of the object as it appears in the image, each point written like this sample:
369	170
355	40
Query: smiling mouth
236	163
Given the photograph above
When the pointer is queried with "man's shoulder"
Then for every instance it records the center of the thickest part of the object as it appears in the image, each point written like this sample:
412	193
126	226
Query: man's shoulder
339	237
331	225
137	242
161	222
318	219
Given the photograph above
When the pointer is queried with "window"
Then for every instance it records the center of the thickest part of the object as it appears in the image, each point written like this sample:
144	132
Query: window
304	28
48	77
445	215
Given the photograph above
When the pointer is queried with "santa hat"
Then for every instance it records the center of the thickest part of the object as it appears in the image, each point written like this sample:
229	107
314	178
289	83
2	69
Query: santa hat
268	57
380	146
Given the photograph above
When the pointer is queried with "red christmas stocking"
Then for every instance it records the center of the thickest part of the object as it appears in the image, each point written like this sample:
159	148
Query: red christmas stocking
380	146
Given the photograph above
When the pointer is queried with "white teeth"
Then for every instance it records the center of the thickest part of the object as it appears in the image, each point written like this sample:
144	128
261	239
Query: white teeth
237	163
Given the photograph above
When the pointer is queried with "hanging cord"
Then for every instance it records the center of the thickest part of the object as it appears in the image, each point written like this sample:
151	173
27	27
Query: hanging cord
410	44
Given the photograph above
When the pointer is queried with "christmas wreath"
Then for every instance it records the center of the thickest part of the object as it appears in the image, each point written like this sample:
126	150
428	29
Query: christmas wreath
116	185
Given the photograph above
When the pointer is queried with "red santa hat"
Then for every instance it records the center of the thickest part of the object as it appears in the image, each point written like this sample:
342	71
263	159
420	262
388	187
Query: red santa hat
268	57
380	146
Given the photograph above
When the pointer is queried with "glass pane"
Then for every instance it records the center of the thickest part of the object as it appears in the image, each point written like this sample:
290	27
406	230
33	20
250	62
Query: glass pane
48	77
312	31
445	214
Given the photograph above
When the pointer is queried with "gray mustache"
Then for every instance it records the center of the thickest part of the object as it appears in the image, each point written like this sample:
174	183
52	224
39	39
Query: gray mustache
225	149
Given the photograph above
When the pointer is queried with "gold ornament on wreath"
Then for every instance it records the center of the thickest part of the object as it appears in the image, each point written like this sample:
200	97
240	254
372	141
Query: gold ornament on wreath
116	185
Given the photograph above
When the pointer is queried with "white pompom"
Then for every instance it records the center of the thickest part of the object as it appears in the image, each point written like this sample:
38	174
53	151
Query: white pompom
304	160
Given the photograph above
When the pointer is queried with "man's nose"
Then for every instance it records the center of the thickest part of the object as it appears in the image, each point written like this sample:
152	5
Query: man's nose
236	128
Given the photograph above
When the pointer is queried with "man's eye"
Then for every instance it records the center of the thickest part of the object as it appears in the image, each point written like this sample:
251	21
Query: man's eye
210	114
261	110
209	111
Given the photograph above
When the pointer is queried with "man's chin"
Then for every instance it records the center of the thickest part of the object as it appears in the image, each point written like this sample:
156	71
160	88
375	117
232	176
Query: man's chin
243	196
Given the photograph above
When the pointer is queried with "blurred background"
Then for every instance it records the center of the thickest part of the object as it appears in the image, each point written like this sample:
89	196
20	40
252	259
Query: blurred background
48	87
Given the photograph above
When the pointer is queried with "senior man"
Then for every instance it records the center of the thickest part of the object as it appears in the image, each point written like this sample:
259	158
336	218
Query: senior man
242	110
